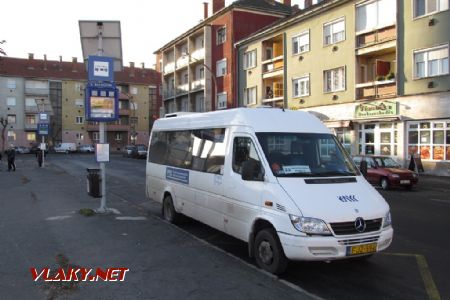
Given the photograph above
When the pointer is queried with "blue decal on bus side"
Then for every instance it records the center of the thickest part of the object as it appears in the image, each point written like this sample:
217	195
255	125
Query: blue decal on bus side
178	175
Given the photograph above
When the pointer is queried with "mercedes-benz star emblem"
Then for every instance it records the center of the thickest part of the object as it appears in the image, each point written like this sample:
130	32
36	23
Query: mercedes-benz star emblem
360	224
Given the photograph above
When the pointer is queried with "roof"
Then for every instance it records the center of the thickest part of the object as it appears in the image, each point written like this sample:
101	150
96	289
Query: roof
51	69
266	6
259	119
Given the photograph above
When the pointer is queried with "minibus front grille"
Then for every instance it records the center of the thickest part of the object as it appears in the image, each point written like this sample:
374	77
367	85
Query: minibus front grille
345	228
281	207
372	239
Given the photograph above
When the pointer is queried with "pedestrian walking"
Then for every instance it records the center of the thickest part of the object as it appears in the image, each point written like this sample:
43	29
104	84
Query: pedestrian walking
11	155
40	157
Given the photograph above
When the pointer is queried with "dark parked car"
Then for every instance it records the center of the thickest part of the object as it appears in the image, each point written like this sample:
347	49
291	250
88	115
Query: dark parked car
386	172
139	151
22	150
128	150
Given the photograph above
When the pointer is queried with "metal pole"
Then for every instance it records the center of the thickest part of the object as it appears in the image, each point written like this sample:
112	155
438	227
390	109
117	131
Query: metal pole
43	151
103	208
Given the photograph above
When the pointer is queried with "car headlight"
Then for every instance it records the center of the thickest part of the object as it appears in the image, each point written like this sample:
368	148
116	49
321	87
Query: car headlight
395	175
387	220
415	175
309	225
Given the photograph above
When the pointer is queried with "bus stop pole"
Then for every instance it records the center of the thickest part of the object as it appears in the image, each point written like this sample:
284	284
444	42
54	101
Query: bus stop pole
103	207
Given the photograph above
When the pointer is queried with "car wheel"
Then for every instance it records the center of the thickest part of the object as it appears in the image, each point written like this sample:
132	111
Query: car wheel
384	183
168	211
268	252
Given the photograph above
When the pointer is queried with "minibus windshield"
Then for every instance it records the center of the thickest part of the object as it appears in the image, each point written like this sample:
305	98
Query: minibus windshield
305	155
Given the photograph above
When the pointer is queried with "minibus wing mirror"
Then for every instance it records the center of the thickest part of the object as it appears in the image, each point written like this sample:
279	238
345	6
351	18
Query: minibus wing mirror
363	167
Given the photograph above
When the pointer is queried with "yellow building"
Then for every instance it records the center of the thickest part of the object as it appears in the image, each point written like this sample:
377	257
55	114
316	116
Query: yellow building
375	73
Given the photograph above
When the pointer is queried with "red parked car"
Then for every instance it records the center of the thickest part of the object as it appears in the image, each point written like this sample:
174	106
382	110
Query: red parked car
386	172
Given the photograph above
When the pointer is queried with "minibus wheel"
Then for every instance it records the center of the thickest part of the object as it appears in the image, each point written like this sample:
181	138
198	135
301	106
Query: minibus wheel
268	252
168	210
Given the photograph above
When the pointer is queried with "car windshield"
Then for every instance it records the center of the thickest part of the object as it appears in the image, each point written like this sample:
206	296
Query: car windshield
306	155
386	162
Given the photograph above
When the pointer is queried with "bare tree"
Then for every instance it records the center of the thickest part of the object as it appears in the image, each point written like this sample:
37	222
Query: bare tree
4	124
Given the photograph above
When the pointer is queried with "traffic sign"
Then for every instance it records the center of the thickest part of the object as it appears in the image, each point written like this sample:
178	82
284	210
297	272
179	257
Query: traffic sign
43	128
100	68
102	102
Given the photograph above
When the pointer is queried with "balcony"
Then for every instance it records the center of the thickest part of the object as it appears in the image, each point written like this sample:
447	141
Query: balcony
376	90
198	54
124	112
182	62
377	40
109	127
274	91
30	127
198	85
168	93
31	109
169	67
183	89
36	91
273	67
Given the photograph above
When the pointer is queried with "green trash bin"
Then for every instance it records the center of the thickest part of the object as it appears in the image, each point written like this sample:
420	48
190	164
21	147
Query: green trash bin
94	182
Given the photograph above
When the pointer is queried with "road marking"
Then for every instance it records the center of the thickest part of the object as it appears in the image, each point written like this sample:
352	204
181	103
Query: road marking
430	286
57	218
441	201
131	218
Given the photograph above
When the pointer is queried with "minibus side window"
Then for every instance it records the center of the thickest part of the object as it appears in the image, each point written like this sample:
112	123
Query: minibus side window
243	150
208	150
158	148
180	154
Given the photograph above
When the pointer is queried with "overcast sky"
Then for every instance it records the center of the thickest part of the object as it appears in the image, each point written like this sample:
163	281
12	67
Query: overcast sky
51	26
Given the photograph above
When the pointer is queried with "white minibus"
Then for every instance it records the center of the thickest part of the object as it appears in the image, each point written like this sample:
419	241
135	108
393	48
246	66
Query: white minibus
276	179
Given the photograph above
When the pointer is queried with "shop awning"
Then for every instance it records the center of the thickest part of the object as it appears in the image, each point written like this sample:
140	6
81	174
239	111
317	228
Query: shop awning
338	123
387	119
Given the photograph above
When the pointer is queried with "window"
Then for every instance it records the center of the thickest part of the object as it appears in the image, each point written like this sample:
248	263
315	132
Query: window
334	80
30	119
300	86
201	73
78	120
79	87
243	150
79	102
96	136
79	136
134	90
221	100
425	7
300	43
429	139
375	14
11	119
334	32
118	136
11	101
221	67
30	102
11	84
431	62
221	35
11	136
250	60
250	96
201	150
31	136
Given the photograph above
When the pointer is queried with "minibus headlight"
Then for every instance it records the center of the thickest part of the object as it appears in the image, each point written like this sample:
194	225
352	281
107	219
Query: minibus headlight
387	220
309	225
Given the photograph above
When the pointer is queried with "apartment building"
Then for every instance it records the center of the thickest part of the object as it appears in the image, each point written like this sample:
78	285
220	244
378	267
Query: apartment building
29	86
376	72
198	66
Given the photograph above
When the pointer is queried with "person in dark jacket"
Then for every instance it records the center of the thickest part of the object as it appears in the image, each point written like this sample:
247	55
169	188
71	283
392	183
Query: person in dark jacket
11	155
40	157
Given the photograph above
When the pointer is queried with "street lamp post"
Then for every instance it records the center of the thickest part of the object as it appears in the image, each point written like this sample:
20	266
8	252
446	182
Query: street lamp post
42	101
213	76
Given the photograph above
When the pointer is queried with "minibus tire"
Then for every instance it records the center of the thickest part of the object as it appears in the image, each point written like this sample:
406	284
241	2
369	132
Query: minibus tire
168	211
269	254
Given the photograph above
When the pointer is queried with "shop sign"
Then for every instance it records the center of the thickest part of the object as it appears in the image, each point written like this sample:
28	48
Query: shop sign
376	109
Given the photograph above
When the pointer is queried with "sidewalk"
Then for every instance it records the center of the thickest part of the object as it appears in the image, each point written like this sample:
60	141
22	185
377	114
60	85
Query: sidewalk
40	223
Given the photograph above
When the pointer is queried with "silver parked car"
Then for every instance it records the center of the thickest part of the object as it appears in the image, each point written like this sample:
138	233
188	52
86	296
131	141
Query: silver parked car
86	149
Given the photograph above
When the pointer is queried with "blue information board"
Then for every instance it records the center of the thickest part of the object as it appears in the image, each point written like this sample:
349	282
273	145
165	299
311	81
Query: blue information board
102	102
42	128
100	68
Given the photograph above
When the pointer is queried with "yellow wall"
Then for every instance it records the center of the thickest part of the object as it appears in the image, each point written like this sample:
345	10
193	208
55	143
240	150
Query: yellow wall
69	110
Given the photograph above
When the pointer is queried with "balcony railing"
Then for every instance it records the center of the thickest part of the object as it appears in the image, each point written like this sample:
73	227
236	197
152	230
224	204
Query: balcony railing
124	112
198	85
183	89
376	89
168	93
198	54
36	91
33	109
169	67
182	62
377	36
30	126
109	127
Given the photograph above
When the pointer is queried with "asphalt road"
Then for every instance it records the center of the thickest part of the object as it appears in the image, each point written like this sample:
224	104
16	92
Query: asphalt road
414	267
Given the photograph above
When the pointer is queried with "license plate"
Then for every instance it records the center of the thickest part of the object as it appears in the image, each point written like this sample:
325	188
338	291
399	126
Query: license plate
405	181
362	249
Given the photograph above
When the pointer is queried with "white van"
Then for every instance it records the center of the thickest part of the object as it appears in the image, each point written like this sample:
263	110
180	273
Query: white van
276	179
65	148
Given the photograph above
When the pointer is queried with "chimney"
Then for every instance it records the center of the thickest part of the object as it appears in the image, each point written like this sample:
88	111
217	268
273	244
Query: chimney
30	56
45	57
308	3
60	58
218	5
205	10
74	60
295	8
143	65
131	64
287	2
45	61
131	69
